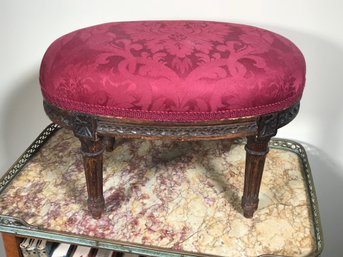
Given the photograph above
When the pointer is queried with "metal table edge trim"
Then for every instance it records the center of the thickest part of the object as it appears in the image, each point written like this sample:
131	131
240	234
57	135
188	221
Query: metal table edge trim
18	227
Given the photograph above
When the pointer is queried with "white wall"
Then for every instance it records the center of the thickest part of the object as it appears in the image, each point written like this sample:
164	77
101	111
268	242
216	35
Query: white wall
28	27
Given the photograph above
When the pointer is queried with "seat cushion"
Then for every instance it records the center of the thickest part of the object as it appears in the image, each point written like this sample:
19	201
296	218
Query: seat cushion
173	71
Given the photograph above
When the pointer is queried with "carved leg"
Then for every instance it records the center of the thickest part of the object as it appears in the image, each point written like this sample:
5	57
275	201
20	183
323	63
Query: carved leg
109	143
256	152
92	160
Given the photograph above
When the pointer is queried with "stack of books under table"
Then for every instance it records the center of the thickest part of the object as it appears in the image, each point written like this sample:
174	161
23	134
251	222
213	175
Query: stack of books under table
42	248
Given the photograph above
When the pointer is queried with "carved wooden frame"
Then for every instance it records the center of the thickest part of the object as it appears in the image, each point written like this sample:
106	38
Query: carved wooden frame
97	133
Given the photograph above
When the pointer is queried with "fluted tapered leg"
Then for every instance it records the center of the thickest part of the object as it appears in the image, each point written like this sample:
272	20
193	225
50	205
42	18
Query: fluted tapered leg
92	152
256	152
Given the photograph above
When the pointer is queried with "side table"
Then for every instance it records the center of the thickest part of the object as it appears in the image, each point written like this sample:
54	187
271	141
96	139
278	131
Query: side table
170	199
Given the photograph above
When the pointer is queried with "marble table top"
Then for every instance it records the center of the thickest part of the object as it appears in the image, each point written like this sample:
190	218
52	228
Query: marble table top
169	196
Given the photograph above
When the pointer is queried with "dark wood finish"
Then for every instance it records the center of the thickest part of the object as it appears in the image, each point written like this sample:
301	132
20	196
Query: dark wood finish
98	132
109	143
176	131
256	152
11	244
117	254
92	150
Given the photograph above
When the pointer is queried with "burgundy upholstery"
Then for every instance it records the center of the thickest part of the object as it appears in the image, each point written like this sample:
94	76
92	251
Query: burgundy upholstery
173	71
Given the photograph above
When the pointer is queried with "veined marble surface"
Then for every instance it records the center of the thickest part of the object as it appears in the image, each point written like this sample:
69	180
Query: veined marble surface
175	195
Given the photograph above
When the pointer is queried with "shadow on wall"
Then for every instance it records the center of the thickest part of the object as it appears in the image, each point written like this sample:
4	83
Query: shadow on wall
329	192
24	119
322	101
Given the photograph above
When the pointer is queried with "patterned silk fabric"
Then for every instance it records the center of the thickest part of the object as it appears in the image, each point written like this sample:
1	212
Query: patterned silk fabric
173	71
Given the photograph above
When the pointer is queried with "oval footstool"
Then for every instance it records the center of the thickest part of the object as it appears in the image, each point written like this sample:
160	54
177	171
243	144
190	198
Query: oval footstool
182	80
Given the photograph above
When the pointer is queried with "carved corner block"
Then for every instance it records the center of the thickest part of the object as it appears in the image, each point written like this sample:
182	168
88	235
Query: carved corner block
270	123
84	126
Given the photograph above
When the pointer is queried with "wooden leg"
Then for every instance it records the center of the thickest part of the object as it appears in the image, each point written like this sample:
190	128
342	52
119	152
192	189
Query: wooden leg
256	152
109	143
11	245
92	151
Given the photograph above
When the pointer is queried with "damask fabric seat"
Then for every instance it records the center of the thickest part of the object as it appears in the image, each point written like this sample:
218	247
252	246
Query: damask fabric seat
173	71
